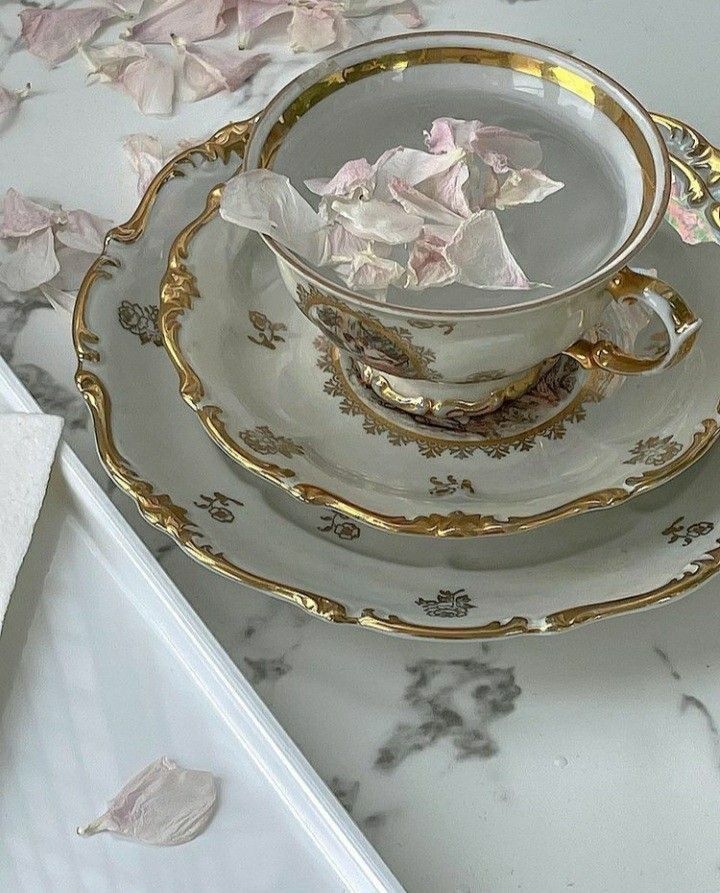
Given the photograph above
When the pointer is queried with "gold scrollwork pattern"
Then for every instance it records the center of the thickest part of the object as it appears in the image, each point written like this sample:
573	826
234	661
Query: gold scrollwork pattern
159	510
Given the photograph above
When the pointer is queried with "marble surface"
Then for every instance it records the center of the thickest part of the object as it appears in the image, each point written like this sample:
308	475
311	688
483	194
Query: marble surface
588	761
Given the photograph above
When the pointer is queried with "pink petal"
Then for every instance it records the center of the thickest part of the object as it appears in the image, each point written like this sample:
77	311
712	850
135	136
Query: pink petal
151	83
498	146
206	72
342	246
55	34
353	175
428	264
448	188
524	187
377	220
108	63
411	165
146	157
482	257
691	223
32	263
11	99
22	217
314	28
189	19
415	202
253	13
410	16
266	202
83	231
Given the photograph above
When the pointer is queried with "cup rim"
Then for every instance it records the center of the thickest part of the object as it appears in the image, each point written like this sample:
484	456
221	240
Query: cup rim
638	238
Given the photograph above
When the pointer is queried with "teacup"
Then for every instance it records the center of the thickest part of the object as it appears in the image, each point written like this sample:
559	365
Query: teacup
465	351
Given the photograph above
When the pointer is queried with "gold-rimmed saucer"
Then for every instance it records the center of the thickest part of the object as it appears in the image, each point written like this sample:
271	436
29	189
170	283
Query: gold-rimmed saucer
287	406
658	547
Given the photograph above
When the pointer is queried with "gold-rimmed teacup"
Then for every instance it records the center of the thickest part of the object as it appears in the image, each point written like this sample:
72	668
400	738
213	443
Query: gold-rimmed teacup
460	351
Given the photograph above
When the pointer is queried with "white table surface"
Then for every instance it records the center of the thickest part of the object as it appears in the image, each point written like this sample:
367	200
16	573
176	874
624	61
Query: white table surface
605	766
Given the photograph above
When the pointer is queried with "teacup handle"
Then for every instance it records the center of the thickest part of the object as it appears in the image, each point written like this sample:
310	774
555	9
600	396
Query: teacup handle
680	322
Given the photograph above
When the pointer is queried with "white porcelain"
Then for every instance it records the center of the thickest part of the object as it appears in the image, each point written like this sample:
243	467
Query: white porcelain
104	667
459	343
290	407
654	548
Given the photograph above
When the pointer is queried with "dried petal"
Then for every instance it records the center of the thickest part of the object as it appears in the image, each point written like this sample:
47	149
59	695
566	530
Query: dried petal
448	188
411	165
690	222
83	231
55	34
409	15
495	145
417	203
57	298
151	83
32	263
353	176
428	264
342	246
315	27
11	99
370	272
163	805
189	19
525	186
22	217
108	63
266	202
206	72
482	257
146	157
377	220
254	13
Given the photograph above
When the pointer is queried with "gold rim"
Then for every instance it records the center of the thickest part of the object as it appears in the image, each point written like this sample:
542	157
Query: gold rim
159	510
655	194
179	290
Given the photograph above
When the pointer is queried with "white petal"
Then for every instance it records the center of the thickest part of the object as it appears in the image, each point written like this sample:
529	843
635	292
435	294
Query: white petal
411	165
163	805
151	83
417	203
83	231
146	157
189	19
482	257
23	217
370	272
57	298
32	263
488	141
108	63
254	13
373	219
354	175
525	186
55	34
11	99
342	246
266	202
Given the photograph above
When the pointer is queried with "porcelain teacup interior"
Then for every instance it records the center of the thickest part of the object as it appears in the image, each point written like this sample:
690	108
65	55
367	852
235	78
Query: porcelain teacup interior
463	349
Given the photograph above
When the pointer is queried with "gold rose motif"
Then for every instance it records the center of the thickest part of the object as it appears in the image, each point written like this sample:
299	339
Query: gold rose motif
654	451
268	332
447	604
141	321
342	527
264	442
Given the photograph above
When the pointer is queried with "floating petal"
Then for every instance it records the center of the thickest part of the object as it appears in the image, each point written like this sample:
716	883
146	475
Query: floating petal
482	257
190	19
377	220
370	272
266	202
342	246
55	34
525	186
163	805
354	175
428	264
32	263
496	145
411	165
22	217
417	203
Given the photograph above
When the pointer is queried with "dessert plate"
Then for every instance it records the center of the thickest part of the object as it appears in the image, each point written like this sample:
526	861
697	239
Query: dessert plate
582	569
290	407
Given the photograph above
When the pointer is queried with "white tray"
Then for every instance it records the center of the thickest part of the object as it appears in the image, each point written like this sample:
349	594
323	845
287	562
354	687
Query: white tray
105	667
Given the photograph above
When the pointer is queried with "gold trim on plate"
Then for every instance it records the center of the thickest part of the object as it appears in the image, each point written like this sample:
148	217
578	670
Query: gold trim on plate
159	510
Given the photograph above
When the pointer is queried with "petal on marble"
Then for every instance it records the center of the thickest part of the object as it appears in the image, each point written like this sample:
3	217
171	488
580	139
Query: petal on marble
164	805
377	220
206	72
150	81
54	34
83	231
146	157
32	263
190	19
482	257
11	99
409	15
313	28
23	217
266	202
252	14
107	63
525	186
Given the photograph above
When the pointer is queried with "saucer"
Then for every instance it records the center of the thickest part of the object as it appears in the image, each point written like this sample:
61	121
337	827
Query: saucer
288	406
657	547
